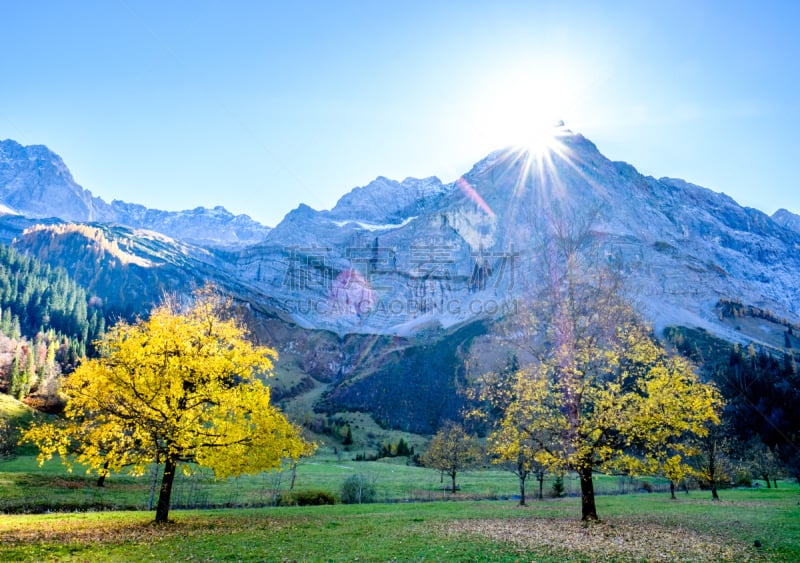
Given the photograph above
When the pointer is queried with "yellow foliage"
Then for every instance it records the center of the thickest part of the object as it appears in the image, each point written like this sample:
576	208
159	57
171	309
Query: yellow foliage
604	403
452	450
183	385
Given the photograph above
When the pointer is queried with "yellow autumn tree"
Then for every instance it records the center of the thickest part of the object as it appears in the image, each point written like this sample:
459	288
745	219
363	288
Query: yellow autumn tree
183	386
515	447
451	451
595	390
618	407
519	451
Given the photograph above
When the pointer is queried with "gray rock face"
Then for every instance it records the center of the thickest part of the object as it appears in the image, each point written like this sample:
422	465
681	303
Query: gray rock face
411	257
35	183
202	226
385	201
396	286
400	258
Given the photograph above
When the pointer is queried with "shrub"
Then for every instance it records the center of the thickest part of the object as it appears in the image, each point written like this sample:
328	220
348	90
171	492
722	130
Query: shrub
306	498
358	489
743	479
6	438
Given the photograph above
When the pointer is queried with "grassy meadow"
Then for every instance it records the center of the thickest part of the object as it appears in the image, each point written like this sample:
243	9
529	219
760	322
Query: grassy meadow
481	522
635	527
28	488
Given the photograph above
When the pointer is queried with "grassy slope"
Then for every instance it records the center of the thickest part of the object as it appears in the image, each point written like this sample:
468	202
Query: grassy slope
19	415
636	527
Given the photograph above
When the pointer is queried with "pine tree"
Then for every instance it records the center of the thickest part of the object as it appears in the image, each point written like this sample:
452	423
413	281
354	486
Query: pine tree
15	379
29	375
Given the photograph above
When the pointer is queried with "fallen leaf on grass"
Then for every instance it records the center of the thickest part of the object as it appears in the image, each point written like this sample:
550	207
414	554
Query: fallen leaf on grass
66	529
610	540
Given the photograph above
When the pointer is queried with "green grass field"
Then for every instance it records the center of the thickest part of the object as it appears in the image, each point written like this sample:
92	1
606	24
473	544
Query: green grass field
634	527
26	487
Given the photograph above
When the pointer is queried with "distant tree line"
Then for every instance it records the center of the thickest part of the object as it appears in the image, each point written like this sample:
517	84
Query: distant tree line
401	448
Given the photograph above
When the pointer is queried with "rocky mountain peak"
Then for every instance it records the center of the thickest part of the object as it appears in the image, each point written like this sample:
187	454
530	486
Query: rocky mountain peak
787	219
383	199
441	255
398	285
35	182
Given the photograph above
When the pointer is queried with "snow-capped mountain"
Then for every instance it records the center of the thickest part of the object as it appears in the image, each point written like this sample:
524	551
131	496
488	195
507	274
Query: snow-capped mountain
397	257
35	183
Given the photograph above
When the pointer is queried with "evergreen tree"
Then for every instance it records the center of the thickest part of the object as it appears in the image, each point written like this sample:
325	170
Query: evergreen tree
15	379
29	375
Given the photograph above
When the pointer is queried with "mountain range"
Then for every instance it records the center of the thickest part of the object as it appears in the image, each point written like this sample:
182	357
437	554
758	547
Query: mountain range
35	183
385	303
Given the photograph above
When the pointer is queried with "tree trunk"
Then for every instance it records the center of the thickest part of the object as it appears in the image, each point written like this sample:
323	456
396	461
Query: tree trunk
162	509
588	508
540	477
453	477
153	481
522	476
712	469
294	475
775	481
101	480
672	489
766	478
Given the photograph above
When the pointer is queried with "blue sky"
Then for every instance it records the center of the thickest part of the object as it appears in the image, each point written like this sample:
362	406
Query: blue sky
259	106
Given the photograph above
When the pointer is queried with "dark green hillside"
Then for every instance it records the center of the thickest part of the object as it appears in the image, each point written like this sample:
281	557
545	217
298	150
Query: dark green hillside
46	326
413	386
124	271
35	297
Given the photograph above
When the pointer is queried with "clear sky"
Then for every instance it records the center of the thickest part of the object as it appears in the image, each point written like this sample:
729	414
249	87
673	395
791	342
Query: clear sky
260	106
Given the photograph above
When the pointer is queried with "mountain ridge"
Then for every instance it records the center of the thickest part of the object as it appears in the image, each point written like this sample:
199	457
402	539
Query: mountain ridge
379	231
35	183
787	219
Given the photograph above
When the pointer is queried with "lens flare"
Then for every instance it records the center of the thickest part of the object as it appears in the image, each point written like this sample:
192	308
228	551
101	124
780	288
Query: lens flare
467	189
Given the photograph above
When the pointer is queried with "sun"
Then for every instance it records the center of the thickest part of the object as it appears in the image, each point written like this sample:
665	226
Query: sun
529	119
540	138
526	109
